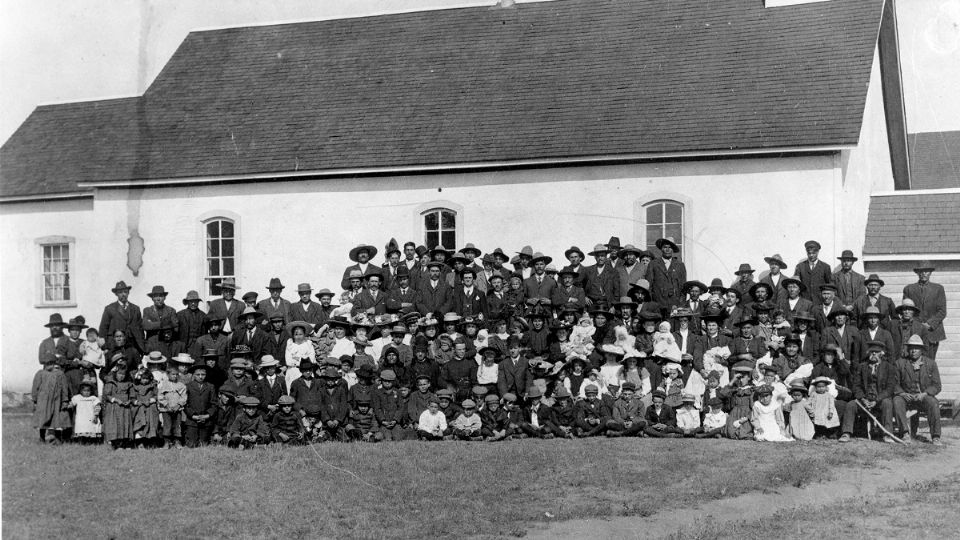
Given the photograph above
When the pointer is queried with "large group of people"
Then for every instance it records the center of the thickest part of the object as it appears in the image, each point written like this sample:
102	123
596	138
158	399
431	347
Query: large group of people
437	345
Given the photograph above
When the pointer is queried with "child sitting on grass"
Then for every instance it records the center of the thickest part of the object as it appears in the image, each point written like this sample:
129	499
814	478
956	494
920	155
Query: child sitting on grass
661	418
86	425
494	419
466	426
172	396
823	409
286	426
432	423
688	417
362	423
627	413
767	418
248	428
715	421
223	415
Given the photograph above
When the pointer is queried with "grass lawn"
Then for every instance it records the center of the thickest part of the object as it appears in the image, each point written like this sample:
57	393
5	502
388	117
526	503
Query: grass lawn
401	490
915	510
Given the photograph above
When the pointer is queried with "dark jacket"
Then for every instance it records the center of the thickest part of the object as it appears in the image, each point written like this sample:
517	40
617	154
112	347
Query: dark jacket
885	381
932	302
434	299
665	284
201	399
307	397
812	279
470	305
513	378
312	313
334	404
602	287
926	379
269	394
129	320
219	307
667	416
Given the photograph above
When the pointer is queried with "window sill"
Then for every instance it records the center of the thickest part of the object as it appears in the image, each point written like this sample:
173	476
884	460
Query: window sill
55	305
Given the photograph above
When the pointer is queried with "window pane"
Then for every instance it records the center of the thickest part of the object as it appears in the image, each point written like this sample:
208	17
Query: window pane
449	239
227	247
655	213
65	251
654	233
228	266
430	222
449	220
226	229
213	229
47	252
214	287
213	267
213	248
46	265
432	239
675	231
674	213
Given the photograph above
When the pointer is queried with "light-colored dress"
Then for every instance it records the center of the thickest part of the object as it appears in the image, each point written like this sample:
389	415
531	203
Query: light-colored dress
824	410
86	422
768	422
294	353
801	428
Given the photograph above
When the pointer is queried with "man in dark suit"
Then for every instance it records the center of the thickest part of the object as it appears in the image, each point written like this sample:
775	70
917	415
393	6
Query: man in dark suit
844	336
402	298
666	275
270	386
744	284
200	406
371	299
873	298
872	331
850	284
692	291
603	283
306	309
122	315
275	304
538	285
390	268
812	272
629	269
828	304
191	320
809	338
905	326
325	296
361	255
411	261
250	334
931	300
873	387
48	347
575	257
227	307
732	312
277	336
513	374
434	295
468	299
794	303
568	292
159	314
775	277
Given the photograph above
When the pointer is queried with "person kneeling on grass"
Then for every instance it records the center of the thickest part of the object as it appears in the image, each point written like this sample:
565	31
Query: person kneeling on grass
223	415
627	413
466	426
432	422
591	415
661	418
688	417
248	428
362	423
494	419
287	425
715	421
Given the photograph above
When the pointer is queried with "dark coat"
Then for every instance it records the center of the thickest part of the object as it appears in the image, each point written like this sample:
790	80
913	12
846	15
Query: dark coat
307	398
129	320
847	293
885	381
932	302
269	394
888	311
396	299
220	343
628	278
48	349
276	345
470	305
901	332
849	343
434	299
926	379
744	289
513	378
813	279
542	289
190	323
496	305
883	336
810	345
665	284
219	307
266	307
779	292
803	304
563	296
153	319
821	321
201	399
312	313
667	416
365	301
334	404
602	287
257	344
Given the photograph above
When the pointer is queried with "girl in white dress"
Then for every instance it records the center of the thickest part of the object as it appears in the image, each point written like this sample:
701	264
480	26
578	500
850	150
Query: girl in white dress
86	426
298	348
767	418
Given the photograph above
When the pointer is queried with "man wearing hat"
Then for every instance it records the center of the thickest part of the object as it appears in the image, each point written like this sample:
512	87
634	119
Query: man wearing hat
850	284
775	278
238	381
200	407
906	325
844	336
361	255
468	299
575	257
371	300
213	338
794	302
306	309
435	296
159	313
538	285
931	300
614	246
165	341
50	346
629	269
812	272
471	252
402	297
744	283
872	331
918	383
513	374
874	386
568	292
190	320
270	386
391	265
226	307
603	280
828	304
666	275
250	334
746	342
275	304
249	299
122	315
873	298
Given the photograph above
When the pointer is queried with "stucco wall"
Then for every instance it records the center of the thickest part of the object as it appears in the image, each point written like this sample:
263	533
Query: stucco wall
737	210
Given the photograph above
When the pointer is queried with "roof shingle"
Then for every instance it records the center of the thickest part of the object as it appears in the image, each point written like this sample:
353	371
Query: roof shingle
913	224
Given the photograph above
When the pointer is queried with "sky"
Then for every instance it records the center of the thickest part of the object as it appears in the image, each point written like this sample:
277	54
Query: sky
54	51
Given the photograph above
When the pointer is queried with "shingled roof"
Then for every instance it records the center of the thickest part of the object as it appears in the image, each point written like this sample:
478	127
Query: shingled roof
934	159
913	223
573	78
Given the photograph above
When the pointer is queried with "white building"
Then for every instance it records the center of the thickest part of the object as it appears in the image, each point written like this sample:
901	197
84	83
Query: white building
270	151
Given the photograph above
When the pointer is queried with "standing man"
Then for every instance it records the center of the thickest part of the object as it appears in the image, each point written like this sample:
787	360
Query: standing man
744	284
389	268
360	255
614	246
931	300
575	257
603	283
538	286
524	264
226	307
212	340
275	304
190	320
49	346
666	275
435	296
793	303
828	304
402	298
306	309
812	272
468	299
159	314
850	285
371	299
471	252
873	298
775	277
844	336
122	315
411	261
628	267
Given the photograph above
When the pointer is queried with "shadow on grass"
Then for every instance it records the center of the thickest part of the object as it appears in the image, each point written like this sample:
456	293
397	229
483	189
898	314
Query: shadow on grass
407	489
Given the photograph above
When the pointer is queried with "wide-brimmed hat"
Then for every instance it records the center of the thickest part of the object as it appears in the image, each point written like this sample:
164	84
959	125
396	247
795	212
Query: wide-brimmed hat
192	296
792	338
798	386
787	281
228	283
915	341
804	316
324	292
307	327
871	311
573	249
268	360
613	243
499	254
776	259
598	249
182	358
873	278
250	310
238	363
457	257
716	284
275	284
211	318
537	257
640	284
210	353
371	251
77	322
629	248
839	311
668	241
766	305
685	288
744	269
746	319
157	290
811	244
330	372
155	357
821	379
649	315
451	317
761	285
610	348
908	304
55	320
360	341
526	250
625	301
435	250
924	266
472	249
847	255
120	286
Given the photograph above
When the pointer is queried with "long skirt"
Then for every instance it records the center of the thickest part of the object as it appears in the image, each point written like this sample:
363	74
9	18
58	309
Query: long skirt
117	422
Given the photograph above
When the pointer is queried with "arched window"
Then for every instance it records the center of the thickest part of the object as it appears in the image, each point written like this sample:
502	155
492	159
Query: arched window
440	227
664	218
221	261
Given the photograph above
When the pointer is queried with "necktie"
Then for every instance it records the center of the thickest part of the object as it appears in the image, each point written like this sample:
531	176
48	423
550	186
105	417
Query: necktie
250	335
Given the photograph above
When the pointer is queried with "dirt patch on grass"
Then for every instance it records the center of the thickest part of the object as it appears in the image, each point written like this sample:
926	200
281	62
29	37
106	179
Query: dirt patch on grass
848	482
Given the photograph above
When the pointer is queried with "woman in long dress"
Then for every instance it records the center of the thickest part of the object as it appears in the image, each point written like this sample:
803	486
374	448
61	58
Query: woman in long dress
767	418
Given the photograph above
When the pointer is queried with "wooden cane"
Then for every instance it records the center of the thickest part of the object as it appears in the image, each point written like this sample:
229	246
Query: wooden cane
877	422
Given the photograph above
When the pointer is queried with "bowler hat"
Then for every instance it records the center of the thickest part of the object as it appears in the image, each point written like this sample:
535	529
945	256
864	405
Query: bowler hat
192	296
199	364
839	311
716	284
120	286
744	269
847	255
157	291
55	320
324	292
304	288
571	250
924	266
873	278
776	259
371	251
668	241
402	271
811	244
275	284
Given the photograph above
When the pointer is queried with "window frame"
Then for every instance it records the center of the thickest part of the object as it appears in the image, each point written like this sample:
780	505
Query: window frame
204	278
40	296
439	206
640	214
